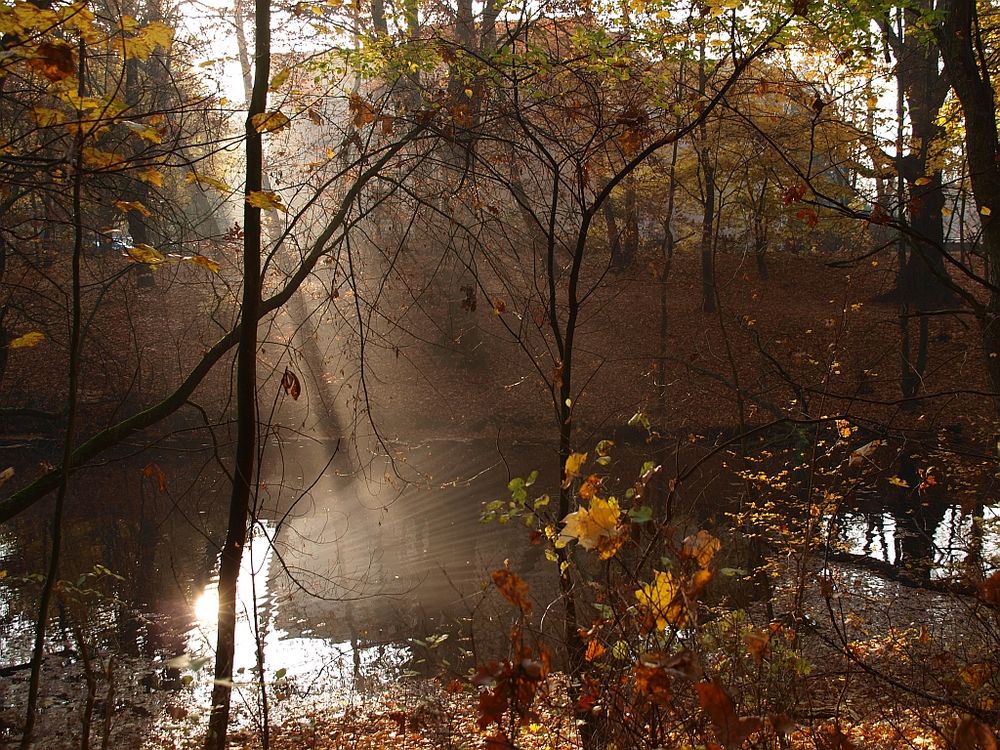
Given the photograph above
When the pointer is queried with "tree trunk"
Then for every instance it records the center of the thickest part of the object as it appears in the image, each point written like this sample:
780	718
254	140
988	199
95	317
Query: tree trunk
962	51
708	217
708	233
246	395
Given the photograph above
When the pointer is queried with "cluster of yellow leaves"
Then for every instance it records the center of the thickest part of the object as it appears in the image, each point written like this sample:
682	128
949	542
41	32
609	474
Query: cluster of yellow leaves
666	600
141	45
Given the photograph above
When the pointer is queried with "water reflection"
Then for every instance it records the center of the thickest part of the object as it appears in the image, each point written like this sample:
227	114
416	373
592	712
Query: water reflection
303	663
928	542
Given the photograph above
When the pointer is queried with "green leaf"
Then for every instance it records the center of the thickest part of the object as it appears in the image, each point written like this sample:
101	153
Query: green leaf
280	673
642	514
279	79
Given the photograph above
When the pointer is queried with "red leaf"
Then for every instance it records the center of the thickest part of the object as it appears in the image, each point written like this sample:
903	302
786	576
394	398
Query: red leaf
492	704
290	382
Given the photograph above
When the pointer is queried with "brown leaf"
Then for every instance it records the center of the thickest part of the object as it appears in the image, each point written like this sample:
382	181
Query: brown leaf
492	704
290	382
513	588
729	728
654	681
757	643
834	738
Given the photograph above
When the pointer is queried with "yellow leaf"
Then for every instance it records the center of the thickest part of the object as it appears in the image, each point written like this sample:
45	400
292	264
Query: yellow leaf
922	181
146	254
128	24
594	527
201	260
985	210
152	176
265	199
279	79
98	159
143	131
146	40
160	34
28	340
45	116
77	16
212	182
897	482
126	206
663	601
4	476
865	453
573	465
976	675
269	122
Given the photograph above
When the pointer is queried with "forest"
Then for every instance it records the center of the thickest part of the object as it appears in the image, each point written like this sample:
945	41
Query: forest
589	374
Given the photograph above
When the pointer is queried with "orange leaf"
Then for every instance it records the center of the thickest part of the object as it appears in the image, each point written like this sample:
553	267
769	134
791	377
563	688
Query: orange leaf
594	650
700	547
590	487
729	728
152	471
